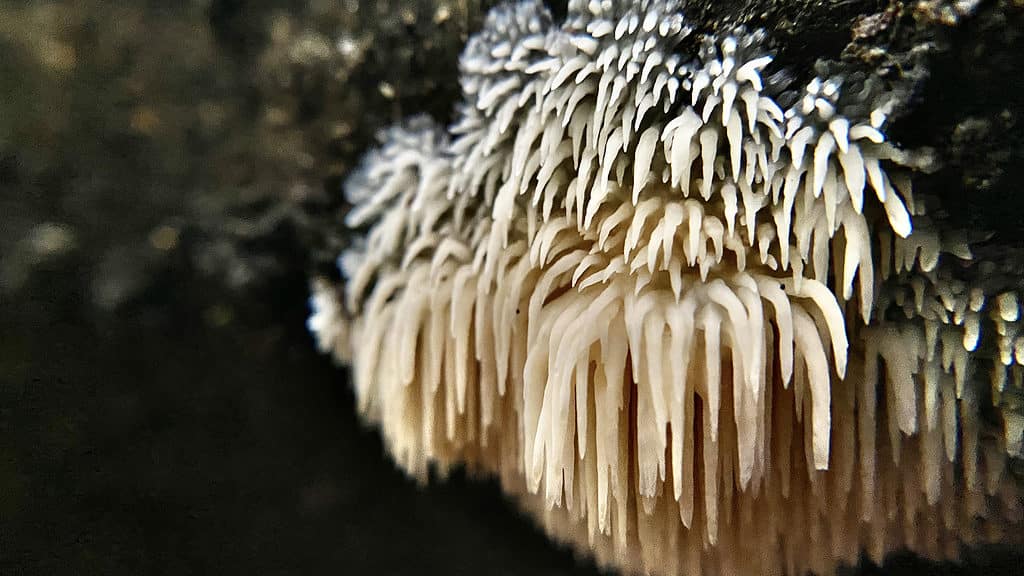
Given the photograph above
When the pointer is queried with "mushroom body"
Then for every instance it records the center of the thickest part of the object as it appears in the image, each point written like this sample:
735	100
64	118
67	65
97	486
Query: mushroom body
652	284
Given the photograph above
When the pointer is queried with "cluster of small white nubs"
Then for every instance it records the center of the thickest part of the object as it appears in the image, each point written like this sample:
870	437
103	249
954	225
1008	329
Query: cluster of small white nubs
647	296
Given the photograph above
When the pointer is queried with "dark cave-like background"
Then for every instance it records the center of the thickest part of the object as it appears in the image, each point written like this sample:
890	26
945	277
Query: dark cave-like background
169	177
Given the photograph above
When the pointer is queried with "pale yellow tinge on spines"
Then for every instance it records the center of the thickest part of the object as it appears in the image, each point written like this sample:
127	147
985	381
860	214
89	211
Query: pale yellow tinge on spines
627	288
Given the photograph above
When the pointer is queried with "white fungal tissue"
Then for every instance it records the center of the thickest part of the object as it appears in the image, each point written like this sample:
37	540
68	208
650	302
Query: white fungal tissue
655	287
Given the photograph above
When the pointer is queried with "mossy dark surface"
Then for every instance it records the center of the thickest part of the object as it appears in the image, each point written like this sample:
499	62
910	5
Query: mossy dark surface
169	178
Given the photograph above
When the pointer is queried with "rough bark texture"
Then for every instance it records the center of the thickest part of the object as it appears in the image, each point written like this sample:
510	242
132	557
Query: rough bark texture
168	179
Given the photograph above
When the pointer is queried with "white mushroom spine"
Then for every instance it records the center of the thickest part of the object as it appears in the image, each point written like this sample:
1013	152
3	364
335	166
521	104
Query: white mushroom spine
657	304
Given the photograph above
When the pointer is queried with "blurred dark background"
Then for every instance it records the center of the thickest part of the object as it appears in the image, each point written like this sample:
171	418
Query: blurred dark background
169	179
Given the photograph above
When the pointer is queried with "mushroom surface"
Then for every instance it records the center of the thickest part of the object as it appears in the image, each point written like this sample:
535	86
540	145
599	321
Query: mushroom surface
689	310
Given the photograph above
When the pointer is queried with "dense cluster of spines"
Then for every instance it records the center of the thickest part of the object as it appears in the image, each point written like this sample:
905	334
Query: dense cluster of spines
655	302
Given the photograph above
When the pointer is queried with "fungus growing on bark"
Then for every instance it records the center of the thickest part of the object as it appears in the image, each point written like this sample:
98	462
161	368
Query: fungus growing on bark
651	283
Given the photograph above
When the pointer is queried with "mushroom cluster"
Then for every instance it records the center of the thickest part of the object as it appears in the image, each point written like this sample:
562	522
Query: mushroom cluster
652	283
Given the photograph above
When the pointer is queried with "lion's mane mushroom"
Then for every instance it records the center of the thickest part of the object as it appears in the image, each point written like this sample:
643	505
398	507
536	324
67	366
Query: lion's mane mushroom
650	283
